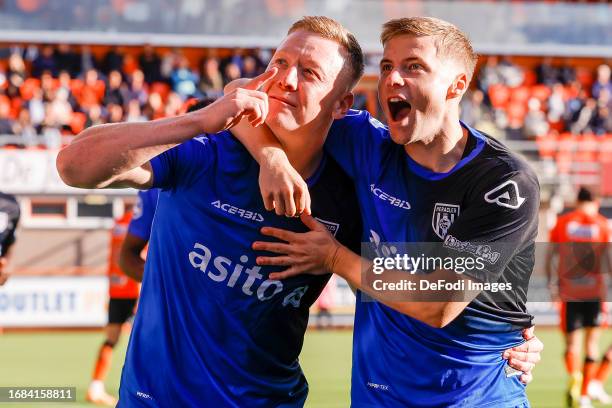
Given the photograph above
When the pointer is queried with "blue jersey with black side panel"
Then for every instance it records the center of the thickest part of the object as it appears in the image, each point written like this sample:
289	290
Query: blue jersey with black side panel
143	213
212	329
490	196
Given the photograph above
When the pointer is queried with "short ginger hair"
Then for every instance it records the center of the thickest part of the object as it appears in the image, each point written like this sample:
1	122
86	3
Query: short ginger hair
450	41
332	30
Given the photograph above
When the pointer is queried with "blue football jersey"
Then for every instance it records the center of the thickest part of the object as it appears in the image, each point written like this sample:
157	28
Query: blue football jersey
490	196
143	213
212	329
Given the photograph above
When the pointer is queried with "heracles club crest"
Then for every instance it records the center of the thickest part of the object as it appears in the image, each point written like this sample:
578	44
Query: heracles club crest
443	217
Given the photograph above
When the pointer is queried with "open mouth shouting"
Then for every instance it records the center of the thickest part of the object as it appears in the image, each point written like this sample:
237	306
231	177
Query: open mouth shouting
399	108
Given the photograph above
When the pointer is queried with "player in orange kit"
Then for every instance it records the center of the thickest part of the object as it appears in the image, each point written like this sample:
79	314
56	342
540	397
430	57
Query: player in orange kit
595	387
580	240
129	238
123	293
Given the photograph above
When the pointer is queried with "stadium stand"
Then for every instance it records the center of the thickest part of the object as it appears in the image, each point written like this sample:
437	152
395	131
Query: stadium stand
49	91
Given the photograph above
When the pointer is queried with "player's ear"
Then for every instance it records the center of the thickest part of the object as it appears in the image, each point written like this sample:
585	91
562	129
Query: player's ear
342	106
458	87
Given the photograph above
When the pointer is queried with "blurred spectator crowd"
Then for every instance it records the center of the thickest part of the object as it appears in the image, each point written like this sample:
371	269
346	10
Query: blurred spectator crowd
532	103
50	91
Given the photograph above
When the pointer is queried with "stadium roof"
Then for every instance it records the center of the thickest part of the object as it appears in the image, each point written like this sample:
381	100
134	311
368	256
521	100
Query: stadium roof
526	28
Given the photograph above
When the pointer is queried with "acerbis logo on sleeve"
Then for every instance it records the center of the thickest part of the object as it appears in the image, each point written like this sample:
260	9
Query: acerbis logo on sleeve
506	195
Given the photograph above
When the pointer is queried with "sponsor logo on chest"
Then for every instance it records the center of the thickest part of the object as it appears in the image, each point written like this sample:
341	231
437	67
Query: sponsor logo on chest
237	211
241	274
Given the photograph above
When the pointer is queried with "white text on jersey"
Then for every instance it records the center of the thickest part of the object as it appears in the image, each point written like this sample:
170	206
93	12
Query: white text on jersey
388	198
242	213
219	272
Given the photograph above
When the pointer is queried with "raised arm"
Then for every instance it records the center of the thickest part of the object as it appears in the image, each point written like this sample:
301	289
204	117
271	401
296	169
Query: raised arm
117	155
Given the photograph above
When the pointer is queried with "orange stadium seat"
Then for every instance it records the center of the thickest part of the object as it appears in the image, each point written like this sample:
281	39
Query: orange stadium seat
161	88
541	92
547	145
520	94
587	147
499	96
564	162
16	105
567	142
585	77
530	78
130	64
516	112
559	125
91	95
605	149
606	178
77	122
76	85
5	100
571	91
565	152
28	87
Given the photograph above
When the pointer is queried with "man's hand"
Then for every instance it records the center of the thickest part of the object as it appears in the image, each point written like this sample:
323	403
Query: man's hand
282	188
236	83
246	102
525	357
4	273
312	252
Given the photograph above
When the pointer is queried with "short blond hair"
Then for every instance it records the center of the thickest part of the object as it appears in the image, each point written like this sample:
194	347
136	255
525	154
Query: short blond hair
332	30
450	41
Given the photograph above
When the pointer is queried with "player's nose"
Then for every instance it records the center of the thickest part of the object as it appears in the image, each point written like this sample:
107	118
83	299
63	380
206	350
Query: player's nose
288	80
395	79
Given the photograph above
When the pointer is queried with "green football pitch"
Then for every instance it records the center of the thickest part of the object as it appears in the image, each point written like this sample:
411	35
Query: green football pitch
66	359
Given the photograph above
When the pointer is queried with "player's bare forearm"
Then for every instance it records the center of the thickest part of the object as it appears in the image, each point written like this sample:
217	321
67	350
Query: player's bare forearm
317	251
115	155
353	268
282	188
111	154
130	259
260	142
